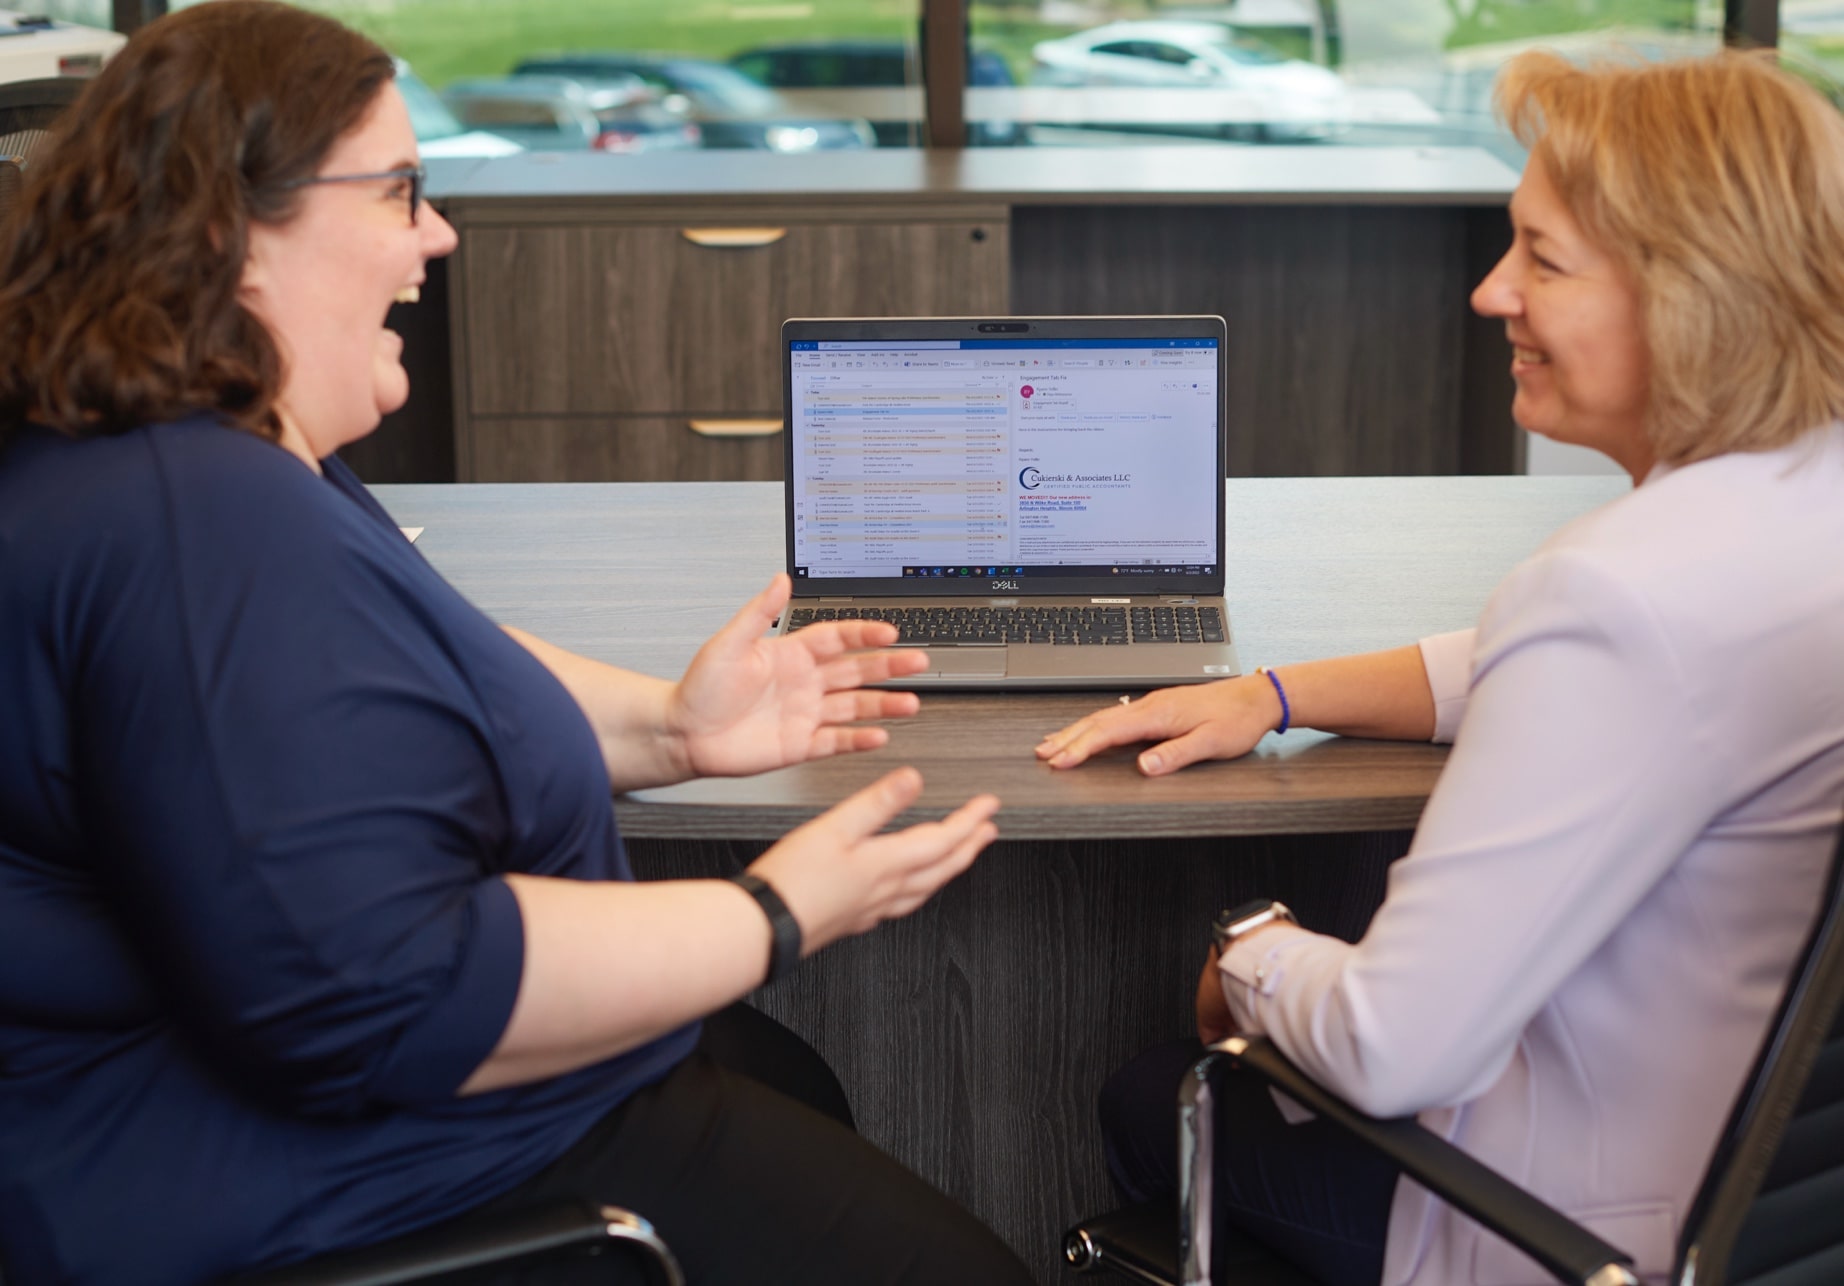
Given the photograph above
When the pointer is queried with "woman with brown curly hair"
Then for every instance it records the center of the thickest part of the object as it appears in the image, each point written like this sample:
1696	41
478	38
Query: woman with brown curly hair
1577	959
314	924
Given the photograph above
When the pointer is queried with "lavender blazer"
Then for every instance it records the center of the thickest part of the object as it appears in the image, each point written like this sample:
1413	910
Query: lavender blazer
1578	958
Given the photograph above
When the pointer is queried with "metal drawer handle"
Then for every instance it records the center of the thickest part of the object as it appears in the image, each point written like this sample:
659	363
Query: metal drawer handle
735	428
733	238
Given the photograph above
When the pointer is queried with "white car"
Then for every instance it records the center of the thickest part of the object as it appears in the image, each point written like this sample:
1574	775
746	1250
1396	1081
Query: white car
1288	99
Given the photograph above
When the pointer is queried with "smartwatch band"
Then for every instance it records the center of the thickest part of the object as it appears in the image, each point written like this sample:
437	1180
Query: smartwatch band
784	952
1239	922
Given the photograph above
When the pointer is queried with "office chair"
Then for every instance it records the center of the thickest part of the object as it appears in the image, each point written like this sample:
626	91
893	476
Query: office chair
1766	1212
440	1253
27	110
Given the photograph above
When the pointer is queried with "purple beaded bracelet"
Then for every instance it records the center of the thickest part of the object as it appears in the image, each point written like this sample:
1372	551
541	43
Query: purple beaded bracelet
1279	691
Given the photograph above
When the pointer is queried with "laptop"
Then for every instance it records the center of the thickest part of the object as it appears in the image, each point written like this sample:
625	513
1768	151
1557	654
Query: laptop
1036	502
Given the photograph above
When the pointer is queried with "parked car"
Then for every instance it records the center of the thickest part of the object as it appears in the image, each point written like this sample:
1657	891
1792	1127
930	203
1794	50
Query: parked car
563	114
1296	100
875	64
729	109
438	133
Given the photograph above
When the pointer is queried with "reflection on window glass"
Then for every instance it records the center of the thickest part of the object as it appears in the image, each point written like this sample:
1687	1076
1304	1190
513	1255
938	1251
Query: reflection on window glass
1812	43
1387	72
489	76
86	13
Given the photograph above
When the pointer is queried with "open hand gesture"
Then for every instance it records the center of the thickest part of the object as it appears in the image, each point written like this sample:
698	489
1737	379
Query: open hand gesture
749	704
842	873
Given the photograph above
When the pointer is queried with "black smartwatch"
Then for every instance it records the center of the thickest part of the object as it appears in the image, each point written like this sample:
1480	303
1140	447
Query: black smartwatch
1240	921
784	951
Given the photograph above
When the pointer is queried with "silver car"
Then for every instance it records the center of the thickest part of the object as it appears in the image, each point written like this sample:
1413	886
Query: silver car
562	114
1288	99
730	109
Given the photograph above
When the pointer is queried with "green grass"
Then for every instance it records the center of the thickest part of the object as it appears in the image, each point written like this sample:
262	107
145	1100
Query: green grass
1482	22
447	39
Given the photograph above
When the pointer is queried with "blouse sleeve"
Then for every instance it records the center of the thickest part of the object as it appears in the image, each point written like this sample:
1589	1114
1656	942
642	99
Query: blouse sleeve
1570	791
292	804
1448	659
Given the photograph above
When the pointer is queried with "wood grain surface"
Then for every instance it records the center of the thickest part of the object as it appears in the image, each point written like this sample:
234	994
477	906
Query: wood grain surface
973	1036
616	448
1345	322
639	575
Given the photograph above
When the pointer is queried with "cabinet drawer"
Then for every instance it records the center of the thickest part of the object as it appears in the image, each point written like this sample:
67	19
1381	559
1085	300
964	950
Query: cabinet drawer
645	319
628	448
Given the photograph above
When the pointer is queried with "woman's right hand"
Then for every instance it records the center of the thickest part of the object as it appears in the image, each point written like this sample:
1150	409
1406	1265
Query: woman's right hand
1221	720
840	876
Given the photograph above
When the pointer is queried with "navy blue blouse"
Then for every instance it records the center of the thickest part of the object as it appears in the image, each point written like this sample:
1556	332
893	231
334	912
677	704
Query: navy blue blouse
260	771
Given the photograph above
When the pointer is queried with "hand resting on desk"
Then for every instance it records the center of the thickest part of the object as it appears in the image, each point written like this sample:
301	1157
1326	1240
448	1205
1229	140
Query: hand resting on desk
1374	694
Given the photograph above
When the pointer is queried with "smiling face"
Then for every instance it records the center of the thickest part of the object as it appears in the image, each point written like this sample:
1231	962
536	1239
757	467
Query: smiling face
323	281
1576	326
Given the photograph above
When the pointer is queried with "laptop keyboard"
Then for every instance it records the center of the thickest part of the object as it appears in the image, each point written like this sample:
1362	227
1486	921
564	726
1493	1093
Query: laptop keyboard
937	626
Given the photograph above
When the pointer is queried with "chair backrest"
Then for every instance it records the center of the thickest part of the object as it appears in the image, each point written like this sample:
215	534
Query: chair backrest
1772	1201
27	110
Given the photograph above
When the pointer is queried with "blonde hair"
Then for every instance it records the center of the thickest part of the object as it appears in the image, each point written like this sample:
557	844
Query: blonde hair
1718	183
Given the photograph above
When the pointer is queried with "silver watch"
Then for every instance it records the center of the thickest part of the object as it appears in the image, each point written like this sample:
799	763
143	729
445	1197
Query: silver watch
1240	921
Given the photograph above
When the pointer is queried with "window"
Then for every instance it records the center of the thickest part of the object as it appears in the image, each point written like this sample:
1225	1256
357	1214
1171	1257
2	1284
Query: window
765	75
806	75
1256	72
88	13
1812	42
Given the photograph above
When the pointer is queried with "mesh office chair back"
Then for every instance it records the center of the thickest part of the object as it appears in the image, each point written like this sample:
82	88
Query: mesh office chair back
1769	1210
28	108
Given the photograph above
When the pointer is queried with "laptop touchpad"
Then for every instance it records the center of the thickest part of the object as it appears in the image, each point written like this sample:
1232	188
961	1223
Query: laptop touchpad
967	662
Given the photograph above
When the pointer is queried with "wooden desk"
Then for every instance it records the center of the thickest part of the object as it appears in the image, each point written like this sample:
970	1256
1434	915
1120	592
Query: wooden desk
972	1037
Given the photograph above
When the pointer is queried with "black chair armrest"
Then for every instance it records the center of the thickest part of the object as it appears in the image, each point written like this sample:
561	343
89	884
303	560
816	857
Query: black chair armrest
1567	1250
476	1243
1135	1242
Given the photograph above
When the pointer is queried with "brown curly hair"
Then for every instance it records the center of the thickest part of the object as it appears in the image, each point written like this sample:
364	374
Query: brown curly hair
119	269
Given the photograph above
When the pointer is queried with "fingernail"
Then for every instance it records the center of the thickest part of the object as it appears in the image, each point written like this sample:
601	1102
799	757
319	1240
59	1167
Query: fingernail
1149	762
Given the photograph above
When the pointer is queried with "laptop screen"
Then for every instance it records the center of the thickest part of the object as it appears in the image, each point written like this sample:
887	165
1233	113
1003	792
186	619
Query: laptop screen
1026	460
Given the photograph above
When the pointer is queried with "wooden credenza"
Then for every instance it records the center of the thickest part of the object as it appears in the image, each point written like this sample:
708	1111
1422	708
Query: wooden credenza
617	318
620	344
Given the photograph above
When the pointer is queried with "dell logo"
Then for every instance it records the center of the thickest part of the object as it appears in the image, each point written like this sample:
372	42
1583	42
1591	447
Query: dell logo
1005	584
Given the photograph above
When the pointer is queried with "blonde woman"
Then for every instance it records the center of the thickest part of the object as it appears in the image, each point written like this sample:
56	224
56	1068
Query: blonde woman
1577	959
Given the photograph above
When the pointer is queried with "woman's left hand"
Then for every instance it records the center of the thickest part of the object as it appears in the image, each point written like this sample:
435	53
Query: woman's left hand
749	704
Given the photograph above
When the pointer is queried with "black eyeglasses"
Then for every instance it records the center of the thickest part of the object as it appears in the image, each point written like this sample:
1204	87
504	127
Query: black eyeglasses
414	175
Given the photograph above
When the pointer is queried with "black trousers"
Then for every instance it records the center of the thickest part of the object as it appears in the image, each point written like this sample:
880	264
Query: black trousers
1306	1191
744	1159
